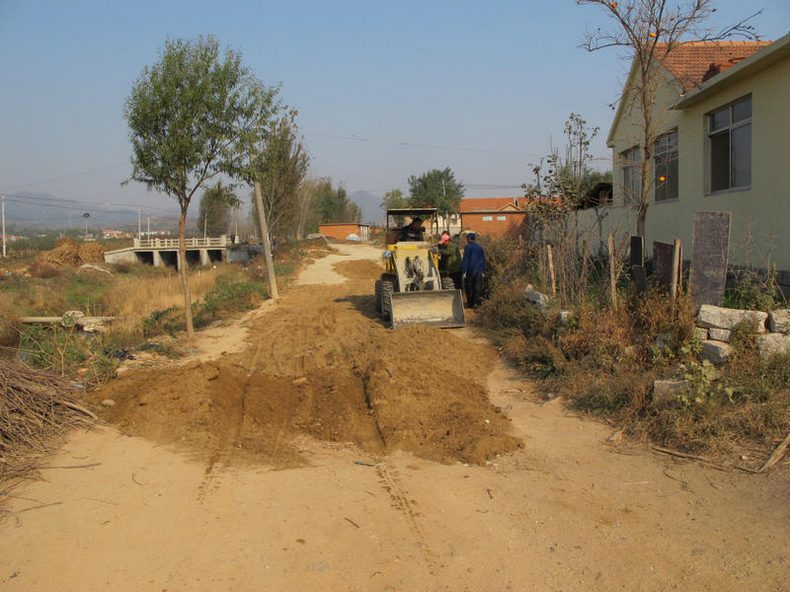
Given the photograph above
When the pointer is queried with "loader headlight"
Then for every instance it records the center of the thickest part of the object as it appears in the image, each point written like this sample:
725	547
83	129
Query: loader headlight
387	254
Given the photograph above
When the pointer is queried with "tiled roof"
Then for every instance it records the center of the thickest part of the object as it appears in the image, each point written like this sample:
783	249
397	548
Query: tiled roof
491	204
689	62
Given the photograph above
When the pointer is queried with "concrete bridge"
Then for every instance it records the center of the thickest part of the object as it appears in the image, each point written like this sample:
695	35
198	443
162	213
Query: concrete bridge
164	251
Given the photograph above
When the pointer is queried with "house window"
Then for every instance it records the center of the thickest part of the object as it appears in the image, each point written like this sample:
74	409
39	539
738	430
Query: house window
501	218
730	146
665	156
632	186
487	218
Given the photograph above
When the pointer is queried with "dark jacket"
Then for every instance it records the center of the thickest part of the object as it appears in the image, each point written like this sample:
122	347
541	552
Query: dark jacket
474	259
407	233
450	258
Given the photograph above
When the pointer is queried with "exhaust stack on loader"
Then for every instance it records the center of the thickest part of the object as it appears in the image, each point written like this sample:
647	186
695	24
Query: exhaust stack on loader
411	290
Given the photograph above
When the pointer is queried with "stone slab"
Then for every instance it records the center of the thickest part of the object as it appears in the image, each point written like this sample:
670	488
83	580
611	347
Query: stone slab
667	389
663	271
719	334
539	299
716	352
701	333
726	318
771	344
710	252
779	321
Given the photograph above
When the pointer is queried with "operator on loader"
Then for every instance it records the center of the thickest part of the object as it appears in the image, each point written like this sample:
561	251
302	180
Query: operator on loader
412	231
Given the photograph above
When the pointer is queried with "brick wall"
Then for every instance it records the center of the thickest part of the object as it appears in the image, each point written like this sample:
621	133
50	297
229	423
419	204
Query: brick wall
492	223
339	231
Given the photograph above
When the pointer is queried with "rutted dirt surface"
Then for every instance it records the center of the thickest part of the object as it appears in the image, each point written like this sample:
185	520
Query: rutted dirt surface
340	506
322	366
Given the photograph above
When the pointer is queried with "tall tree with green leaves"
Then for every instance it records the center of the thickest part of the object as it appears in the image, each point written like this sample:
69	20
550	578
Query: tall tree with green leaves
216	208
394	198
334	205
281	167
436	189
194	115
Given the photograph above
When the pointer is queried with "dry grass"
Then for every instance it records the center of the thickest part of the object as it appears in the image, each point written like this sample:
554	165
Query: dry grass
604	362
133	298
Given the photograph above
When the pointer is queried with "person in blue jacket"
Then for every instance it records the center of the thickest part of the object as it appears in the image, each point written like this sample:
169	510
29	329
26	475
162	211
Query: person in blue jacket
473	264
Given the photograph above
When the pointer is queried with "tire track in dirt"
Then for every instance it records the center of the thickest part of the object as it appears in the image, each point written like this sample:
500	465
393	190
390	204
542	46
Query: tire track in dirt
222	455
390	481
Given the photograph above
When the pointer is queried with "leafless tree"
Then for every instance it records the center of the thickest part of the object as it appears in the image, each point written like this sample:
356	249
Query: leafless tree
650	30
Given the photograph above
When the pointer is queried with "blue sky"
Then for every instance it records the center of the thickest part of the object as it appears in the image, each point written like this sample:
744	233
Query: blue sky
490	81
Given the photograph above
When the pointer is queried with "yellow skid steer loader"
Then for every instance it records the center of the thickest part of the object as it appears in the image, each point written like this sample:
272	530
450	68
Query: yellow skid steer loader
411	290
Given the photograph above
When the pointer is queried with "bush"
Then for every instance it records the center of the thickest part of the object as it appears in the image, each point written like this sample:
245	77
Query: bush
231	295
66	352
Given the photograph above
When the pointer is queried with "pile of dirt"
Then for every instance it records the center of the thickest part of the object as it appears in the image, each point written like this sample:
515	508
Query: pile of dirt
359	270
70	253
319	368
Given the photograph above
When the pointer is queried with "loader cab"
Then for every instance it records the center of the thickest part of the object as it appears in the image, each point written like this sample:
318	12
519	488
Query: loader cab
398	218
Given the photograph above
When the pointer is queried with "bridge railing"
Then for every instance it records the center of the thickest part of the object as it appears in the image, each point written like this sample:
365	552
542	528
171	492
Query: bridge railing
191	243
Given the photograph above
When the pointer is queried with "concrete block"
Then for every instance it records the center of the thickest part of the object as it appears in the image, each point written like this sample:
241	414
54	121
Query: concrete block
565	316
667	389
726	318
773	343
701	333
539	299
779	321
719	334
716	352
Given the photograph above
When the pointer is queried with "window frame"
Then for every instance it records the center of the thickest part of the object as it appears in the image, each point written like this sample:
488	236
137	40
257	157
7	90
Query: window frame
727	129
666	156
632	164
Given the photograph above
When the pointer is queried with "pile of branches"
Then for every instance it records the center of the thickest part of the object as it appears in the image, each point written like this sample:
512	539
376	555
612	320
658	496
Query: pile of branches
35	409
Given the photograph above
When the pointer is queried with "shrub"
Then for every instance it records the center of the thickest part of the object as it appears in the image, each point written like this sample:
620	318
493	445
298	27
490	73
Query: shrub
67	352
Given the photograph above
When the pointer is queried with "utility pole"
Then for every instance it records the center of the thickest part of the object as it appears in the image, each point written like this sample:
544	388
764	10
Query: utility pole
267	245
148	229
139	225
4	239
447	215
205	224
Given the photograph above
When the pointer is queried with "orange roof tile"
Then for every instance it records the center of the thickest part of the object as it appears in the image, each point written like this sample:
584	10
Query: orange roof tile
690	62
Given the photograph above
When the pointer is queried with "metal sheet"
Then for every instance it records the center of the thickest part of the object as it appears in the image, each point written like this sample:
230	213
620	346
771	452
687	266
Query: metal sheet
440	308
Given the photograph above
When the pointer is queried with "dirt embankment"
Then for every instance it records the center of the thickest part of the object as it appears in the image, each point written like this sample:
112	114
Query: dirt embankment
320	365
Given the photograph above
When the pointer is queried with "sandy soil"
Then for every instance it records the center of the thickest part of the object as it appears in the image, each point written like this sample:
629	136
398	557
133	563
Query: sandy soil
213	510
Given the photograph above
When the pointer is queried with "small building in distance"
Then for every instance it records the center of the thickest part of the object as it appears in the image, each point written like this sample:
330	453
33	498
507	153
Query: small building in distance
493	216
344	230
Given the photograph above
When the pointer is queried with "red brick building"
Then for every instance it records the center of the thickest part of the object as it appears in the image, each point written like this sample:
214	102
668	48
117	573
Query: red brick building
341	230
493	216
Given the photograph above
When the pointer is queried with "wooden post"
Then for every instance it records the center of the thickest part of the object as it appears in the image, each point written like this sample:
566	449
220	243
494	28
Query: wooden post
612	272
267	246
552	278
585	256
677	270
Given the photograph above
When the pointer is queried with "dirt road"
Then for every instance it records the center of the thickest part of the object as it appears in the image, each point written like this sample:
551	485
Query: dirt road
311	461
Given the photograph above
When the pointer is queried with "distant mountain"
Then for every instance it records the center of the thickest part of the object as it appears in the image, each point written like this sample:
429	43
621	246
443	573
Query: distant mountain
370	204
44	210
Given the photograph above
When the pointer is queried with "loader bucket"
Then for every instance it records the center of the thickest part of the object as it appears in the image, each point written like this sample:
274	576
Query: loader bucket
439	308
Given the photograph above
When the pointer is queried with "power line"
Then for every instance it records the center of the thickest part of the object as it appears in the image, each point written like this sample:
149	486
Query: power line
82	204
64	177
411	144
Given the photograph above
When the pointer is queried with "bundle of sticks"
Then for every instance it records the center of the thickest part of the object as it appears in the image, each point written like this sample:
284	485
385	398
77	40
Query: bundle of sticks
35	408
